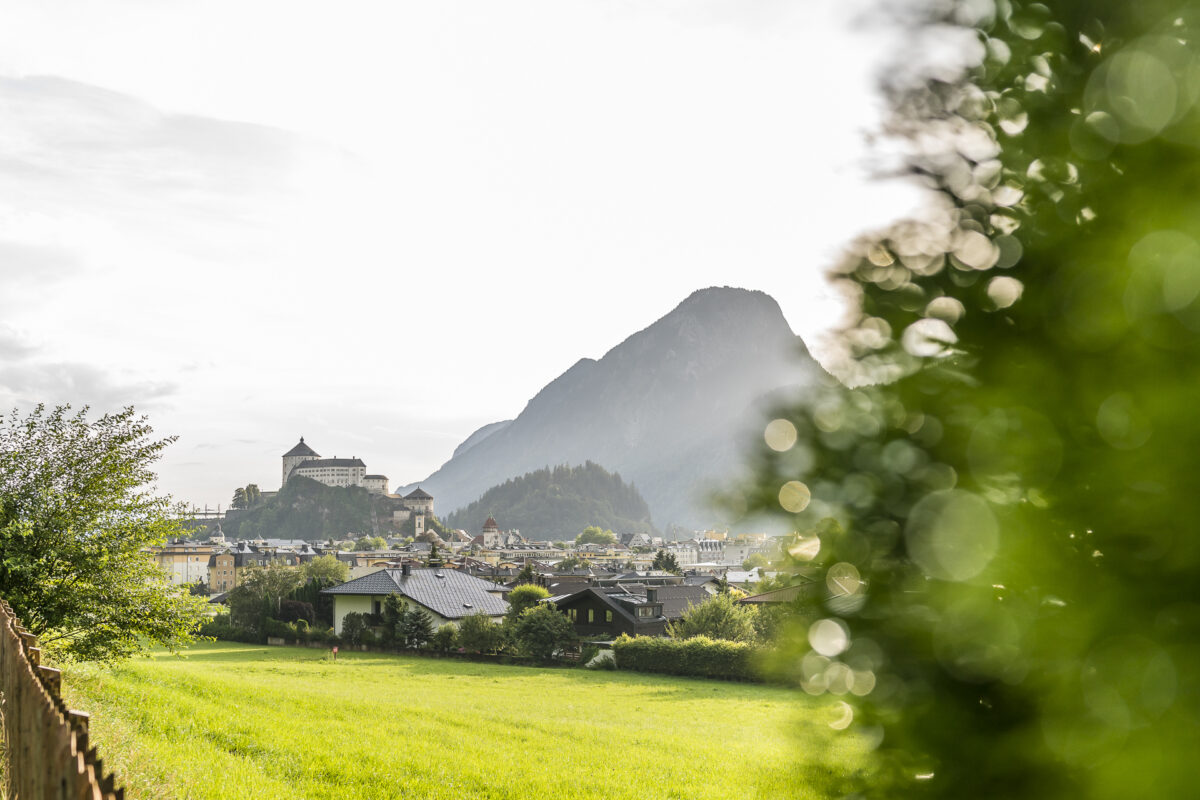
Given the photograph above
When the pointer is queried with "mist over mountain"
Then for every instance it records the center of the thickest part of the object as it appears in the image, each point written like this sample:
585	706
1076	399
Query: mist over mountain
671	409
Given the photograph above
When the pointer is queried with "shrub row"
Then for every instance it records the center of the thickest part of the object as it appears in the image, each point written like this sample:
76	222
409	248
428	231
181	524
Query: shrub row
699	656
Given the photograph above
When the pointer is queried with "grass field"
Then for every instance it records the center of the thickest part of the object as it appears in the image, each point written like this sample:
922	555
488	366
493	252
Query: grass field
237	721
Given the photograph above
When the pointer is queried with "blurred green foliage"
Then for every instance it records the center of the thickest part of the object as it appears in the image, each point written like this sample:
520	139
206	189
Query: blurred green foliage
1001	505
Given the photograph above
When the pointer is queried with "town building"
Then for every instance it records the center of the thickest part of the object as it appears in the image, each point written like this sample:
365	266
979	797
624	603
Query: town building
302	460
448	595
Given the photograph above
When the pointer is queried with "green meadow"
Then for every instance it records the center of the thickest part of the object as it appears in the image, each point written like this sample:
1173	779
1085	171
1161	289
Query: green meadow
238	721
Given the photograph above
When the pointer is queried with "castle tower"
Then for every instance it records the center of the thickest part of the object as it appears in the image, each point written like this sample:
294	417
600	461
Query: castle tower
297	455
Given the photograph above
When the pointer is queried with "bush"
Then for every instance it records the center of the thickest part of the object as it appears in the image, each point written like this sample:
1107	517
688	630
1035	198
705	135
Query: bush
354	627
699	656
296	610
477	633
719	617
542	631
445	638
220	628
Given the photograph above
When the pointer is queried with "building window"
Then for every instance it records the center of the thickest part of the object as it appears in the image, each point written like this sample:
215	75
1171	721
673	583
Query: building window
591	615
644	611
608	616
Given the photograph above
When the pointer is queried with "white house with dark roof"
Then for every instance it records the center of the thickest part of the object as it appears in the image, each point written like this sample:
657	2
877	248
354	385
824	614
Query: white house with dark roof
448	595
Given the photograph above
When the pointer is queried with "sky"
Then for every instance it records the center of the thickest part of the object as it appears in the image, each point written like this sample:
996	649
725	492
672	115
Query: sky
382	225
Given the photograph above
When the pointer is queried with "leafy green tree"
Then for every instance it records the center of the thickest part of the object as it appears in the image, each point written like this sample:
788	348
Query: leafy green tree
543	631
526	575
253	495
595	535
327	568
570	563
523	597
755	560
719	617
445	638
435	559
239	499
77	508
263	588
364	543
1012	467
477	633
666	562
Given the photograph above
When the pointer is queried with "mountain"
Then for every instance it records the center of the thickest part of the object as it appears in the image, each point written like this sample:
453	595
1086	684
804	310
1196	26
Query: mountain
670	408
551	503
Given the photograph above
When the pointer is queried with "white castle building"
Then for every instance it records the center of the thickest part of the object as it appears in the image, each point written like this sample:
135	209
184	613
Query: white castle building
304	461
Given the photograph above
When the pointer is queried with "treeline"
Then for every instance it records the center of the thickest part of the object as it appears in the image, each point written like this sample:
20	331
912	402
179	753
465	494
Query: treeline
554	502
308	509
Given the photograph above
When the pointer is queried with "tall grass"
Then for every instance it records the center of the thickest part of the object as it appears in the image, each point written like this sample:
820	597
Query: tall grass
237	721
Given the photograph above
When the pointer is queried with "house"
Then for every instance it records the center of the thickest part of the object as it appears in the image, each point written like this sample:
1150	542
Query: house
448	595
225	569
635	609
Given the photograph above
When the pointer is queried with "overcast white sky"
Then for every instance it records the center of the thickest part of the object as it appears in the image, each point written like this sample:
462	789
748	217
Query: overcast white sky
384	224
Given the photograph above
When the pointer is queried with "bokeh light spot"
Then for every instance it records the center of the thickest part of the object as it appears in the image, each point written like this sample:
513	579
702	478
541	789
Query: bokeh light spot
794	496
780	435
952	535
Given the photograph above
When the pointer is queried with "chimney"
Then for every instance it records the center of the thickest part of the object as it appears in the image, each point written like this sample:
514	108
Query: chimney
406	569
651	595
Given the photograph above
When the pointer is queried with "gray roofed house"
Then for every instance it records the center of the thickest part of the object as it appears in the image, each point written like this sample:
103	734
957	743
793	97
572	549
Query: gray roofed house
449	595
418	494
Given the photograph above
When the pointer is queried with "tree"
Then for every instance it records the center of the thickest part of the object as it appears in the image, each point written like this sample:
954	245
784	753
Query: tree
1011	461
295	611
253	495
415	627
595	535
445	638
478	633
393	618
719	617
665	562
526	575
262	589
364	543
523	597
570	563
542	631
354	627
327	568
435	559
239	499
755	560
77	508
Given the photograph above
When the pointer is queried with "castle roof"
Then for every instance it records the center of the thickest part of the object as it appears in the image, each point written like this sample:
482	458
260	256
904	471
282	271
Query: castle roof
302	449
317	463
418	494
383	477
491	523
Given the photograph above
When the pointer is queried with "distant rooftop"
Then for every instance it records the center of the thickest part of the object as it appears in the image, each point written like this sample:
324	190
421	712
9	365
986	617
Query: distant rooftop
302	449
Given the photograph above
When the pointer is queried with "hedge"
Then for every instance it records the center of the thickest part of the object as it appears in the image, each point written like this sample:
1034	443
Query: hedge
699	656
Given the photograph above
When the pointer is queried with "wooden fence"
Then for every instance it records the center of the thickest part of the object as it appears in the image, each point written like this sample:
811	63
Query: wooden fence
46	753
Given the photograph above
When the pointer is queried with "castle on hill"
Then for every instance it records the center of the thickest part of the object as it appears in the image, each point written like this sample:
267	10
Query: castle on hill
305	462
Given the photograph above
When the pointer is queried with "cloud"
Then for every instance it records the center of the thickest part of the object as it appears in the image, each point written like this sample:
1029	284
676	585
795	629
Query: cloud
22	262
14	344
57	383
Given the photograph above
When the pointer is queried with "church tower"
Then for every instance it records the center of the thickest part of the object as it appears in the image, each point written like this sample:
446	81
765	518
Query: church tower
297	455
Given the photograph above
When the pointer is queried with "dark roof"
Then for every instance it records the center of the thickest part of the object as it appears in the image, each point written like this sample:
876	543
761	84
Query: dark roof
418	494
449	593
676	599
302	449
383	477
491	523
317	463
